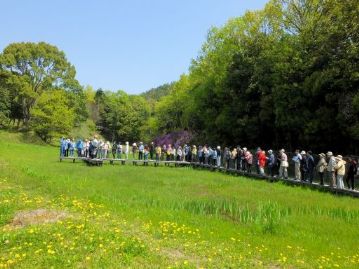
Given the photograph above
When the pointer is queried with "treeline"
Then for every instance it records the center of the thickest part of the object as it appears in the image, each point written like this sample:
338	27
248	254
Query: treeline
39	93
285	76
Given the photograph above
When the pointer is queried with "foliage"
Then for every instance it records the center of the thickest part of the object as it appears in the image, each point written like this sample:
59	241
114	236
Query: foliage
34	68
285	76
121	117
51	115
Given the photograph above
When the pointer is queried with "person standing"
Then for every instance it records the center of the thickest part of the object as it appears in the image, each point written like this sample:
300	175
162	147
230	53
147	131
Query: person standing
79	147
205	154
283	168
194	154
114	149
352	171
179	154
310	166
262	161
271	162
340	169
243	157
321	167
68	145
219	156
239	158
297	159
169	153
227	157
158	150
146	153
234	157
141	149
331	169
152	150
134	150
164	152
304	166
200	155
127	149
249	160
119	151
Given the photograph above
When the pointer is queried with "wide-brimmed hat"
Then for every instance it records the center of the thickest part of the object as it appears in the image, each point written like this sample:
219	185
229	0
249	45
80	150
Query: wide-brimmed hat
303	152
282	150
322	155
329	153
244	148
340	157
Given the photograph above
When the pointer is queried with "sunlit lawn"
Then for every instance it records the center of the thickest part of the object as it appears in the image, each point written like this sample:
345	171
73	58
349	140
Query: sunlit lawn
146	217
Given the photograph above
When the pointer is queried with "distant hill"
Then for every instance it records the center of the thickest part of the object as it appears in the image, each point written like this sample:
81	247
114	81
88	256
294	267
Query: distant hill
155	94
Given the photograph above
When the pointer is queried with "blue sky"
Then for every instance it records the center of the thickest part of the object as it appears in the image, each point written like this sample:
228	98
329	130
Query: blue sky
131	45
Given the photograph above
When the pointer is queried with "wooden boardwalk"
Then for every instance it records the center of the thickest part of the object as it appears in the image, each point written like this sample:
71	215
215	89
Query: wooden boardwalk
289	181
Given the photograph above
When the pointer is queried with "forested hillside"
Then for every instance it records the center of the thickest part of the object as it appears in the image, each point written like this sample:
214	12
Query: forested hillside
285	76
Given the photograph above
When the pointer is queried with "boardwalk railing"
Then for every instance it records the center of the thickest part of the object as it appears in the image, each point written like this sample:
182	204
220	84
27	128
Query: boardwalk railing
290	181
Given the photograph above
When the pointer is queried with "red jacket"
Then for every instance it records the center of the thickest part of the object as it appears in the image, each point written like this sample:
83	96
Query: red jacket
262	159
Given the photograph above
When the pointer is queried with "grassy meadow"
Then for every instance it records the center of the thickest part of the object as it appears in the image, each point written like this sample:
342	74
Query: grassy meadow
162	217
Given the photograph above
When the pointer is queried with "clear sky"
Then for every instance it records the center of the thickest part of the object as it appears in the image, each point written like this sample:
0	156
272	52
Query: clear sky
132	45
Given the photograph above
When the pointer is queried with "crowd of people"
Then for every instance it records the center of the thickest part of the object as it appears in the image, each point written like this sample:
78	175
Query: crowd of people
274	164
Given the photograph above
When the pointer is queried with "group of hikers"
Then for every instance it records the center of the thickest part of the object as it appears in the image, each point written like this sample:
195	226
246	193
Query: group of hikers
274	164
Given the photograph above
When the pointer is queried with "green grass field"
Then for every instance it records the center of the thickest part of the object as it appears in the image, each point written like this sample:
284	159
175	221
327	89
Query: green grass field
146	217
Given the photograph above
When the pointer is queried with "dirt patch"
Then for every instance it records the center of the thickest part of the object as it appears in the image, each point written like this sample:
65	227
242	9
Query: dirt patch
37	216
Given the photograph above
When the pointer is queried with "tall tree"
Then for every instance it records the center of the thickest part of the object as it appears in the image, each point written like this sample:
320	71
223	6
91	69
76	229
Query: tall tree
37	67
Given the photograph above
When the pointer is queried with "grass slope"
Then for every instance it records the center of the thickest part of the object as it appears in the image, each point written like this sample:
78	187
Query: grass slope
147	217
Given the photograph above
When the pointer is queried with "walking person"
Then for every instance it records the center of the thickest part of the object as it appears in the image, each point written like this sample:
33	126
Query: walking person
331	169
352	171
340	169
321	167
297	159
283	168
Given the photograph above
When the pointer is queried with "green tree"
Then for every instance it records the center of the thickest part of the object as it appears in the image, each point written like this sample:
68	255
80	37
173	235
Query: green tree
51	115
34	68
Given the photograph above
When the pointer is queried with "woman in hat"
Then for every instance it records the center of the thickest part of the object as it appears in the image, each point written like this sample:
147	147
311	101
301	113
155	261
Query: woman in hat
283	168
340	168
331	168
321	165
